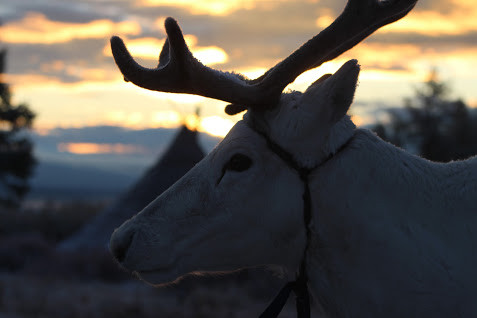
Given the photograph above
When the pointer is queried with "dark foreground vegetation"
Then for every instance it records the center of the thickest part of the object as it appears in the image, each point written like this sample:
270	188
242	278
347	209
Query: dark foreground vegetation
36	280
433	124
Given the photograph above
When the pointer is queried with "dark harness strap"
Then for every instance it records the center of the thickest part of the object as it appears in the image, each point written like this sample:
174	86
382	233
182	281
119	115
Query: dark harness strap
299	286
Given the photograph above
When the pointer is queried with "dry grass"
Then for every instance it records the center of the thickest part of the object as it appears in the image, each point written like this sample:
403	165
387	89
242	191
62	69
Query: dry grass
36	280
28	296
53	220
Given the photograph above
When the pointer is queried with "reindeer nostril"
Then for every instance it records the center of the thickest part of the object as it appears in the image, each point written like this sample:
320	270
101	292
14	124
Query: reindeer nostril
120	243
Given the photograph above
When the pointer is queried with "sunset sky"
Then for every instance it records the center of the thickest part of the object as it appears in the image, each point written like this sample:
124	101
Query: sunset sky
60	63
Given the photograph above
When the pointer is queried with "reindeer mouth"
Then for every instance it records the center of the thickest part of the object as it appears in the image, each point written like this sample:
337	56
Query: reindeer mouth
161	275
156	277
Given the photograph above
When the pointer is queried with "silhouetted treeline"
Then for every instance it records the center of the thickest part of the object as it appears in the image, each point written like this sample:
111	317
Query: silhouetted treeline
16	149
432	125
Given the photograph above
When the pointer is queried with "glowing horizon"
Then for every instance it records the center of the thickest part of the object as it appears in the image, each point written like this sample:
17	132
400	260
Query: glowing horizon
213	125
62	65
87	148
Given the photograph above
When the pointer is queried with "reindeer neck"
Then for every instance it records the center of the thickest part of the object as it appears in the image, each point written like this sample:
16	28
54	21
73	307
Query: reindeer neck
300	285
322	150
378	214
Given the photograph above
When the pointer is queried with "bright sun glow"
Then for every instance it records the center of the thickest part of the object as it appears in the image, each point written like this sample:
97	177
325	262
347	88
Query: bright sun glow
212	125
166	119
210	55
215	125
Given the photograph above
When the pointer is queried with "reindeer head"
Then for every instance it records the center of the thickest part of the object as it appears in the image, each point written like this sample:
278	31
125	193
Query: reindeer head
242	205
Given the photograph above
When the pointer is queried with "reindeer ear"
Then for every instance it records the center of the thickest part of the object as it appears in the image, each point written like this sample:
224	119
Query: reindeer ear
331	96
319	81
345	83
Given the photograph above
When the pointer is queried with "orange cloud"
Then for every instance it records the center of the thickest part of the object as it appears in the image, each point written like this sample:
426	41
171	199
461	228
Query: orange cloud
115	102
29	80
84	148
397	63
435	23
89	76
216	7
37	28
212	7
385	56
431	23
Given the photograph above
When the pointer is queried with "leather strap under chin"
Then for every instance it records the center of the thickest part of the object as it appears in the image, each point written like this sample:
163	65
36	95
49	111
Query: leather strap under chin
299	286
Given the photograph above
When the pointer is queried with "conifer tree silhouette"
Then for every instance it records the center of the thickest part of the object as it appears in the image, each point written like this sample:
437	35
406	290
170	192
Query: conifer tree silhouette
16	149
432	124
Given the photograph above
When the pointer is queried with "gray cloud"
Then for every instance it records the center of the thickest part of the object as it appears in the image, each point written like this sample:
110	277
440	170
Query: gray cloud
250	37
262	37
257	37
33	58
68	10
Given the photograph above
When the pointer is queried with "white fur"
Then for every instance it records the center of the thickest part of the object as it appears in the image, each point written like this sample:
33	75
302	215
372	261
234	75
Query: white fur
393	235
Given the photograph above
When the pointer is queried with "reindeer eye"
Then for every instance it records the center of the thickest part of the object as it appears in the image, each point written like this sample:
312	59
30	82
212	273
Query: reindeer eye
238	162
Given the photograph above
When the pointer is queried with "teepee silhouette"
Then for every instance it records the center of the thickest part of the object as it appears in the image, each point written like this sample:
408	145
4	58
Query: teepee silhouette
183	153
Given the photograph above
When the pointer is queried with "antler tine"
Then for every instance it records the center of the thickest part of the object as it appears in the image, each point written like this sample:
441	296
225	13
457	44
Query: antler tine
164	55
179	72
359	19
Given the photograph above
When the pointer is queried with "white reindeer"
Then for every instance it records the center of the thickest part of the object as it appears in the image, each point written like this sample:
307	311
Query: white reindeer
388	234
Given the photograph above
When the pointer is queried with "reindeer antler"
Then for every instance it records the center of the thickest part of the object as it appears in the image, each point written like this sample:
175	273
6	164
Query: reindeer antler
180	72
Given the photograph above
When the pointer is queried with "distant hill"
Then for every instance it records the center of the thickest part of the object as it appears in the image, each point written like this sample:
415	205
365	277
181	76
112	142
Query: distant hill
63	175
75	182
